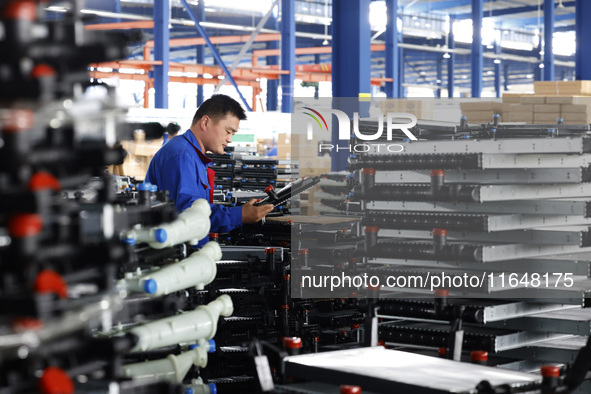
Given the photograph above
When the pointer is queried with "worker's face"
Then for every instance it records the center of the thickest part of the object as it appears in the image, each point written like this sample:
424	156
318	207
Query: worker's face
219	132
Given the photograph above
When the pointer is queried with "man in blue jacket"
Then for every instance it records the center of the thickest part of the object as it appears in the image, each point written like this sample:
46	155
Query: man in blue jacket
181	166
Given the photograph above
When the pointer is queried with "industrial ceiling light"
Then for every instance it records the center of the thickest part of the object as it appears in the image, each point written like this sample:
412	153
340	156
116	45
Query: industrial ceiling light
541	65
446	55
325	42
497	61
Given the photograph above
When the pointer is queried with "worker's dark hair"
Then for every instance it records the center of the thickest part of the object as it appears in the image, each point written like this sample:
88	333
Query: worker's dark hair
217	106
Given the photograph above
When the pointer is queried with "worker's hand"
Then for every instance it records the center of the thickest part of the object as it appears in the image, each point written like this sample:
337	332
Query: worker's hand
252	214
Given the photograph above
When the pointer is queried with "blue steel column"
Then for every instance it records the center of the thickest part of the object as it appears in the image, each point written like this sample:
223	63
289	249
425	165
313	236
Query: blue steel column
287	53
506	76
498	69
401	67
161	52
317	87
477	61
548	34
351	61
272	84
200	49
451	61
439	61
583	29
392	59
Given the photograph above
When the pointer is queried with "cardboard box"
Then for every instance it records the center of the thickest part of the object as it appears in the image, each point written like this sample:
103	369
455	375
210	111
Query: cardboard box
531	99
136	166
568	108
527	117
493	106
550	117
546	108
563	88
522	108
479	116
580	117
561	100
512	98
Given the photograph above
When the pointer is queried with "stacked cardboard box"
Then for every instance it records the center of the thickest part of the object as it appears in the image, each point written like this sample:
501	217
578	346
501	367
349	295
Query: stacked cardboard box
139	154
422	109
481	111
547	110
562	88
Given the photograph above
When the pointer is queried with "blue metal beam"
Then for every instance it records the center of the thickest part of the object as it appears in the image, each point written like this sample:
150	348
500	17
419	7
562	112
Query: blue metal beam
548	72
498	70
477	7
200	50
565	28
272	84
436	6
451	61
439	70
521	22
392	59
351	65
161	52
214	52
583	55
287	53
510	11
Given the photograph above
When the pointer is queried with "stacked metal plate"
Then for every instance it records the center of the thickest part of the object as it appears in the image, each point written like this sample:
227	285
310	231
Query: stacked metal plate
496	212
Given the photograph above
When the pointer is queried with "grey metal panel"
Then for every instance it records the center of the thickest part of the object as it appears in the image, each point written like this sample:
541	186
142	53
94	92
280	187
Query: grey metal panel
548	207
390	371
534	161
501	176
512	145
557	351
526	192
576	321
565	236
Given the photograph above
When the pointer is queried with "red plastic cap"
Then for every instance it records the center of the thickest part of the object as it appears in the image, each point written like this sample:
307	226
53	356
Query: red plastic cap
25	225
550	371
382	343
213	235
270	250
43	70
55	381
442	351
303	252
49	281
15	120
42	181
26	323
346	389
354	326
441	232
285	306
437	173
292	342
373	288
372	229
368	171
286	277
479	355
316	339
269	188
441	292
20	10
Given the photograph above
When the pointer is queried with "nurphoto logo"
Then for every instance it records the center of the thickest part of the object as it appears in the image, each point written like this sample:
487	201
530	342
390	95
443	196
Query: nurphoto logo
394	121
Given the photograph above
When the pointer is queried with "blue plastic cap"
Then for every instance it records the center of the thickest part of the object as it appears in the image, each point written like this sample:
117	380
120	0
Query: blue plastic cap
466	137
191	347
212	346
493	130
496	116
127	189
213	388
406	139
150	286
230	165
463	118
280	207
130	241
560	120
144	186
189	390
551	130
153	188
161	235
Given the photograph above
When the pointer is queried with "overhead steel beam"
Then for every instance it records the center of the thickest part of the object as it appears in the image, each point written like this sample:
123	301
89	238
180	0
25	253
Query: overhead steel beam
272	84
247	44
498	69
451	44
510	11
477	60
161	52
214	52
522	22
